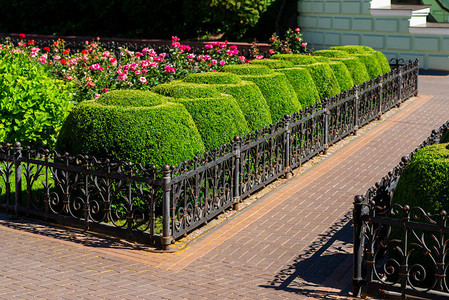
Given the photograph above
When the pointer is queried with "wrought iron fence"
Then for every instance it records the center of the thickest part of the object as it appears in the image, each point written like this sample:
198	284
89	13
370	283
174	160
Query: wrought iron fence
160	206
399	250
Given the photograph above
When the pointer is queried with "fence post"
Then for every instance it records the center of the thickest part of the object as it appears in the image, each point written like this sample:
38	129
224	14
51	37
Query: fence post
356	109
380	79
18	177
326	125
288	132
166	188
358	247
400	87
236	151
415	92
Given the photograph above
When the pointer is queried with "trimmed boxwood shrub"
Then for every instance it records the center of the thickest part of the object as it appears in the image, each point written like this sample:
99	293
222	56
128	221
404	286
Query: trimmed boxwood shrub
356	68
299	78
372	65
331	53
342	74
181	89
299	59
218	118
383	62
273	63
354	49
136	126
303	84
445	137
324	79
277	90
424	181
248	95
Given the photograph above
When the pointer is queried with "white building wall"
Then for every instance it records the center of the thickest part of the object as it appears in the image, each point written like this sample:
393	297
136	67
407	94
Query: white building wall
326	23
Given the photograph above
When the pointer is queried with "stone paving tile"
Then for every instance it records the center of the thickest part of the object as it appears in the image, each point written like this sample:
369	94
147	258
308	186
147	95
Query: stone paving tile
293	243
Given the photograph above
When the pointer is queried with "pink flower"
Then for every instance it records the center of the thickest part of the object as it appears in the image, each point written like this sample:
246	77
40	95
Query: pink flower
222	62
69	78
304	45
123	77
96	67
176	45
271	51
169	69
90	84
143	80
175	38
105	90
214	61
297	29
185	48
96	95
43	58
209	46
57	57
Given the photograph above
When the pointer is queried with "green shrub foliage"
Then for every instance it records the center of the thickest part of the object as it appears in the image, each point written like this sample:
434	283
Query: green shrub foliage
303	84
137	126
324	79
299	59
33	105
356	68
277	90
273	63
218	117
248	95
372	65
424	181
218	120
181	89
342	74
331	53
445	137
353	49
383	62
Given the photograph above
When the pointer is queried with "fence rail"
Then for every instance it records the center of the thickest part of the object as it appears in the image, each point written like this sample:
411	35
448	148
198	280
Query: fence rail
399	250
160	206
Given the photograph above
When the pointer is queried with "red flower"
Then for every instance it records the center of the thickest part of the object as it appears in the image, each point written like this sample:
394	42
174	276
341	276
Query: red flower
63	61
84	52
21	36
66	51
47	49
30	42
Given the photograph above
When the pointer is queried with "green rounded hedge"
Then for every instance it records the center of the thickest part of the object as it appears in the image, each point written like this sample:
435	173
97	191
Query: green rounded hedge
372	65
332	53
303	84
445	137
277	90
273	63
342	74
324	78
357	69
218	118
424	181
383	62
248	95
354	49
181	89
136	126
299	59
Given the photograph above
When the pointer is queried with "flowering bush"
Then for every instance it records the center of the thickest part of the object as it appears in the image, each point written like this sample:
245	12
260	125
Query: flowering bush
292	44
95	70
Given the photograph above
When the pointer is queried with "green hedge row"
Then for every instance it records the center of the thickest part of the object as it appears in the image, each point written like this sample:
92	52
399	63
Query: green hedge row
130	125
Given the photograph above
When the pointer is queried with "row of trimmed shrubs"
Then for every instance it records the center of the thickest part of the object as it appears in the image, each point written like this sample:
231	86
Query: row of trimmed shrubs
183	118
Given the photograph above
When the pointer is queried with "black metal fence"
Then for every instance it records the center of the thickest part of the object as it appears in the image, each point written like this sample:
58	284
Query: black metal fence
159	206
400	250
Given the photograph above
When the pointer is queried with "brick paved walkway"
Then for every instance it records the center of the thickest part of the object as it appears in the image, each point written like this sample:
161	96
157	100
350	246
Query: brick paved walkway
295	242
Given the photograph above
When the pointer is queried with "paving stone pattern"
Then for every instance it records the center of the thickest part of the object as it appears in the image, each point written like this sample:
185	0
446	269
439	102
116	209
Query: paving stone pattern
295	242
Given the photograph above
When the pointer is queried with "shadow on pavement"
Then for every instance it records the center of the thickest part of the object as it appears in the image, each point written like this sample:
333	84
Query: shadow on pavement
64	234
324	269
